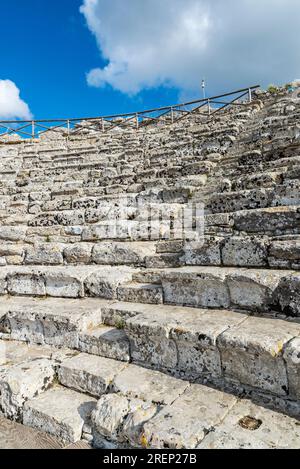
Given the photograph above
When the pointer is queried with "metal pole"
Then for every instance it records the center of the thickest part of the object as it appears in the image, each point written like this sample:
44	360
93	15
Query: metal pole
102	121
203	85
68	125
250	95
32	129
208	105
172	115
137	122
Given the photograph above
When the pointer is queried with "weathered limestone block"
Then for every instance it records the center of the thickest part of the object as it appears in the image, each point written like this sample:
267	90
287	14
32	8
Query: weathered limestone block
103	283
245	252
284	253
207	254
22	382
53	205
189	287
117	313
65	283
14	260
250	157
292	359
248	426
122	253
287	194
275	219
252	353
270	179
203	167
244	200
60	412
148	385
158	349
164	247
80	253
196	337
11	250
253	289
120	420
107	231
286	297
66	218
184	424
160	261
25	283
44	254
105	342
52	322
89	373
12	233
140	293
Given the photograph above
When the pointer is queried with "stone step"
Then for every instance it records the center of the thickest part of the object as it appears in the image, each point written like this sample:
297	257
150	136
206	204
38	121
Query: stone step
224	347
64	281
143	408
275	220
105	341
74	253
53	321
281	195
60	412
26	371
140	293
243	251
258	290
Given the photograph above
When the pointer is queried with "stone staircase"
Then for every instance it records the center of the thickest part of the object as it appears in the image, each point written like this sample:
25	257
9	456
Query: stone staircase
132	337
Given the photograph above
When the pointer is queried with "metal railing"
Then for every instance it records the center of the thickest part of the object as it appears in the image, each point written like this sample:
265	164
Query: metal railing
207	107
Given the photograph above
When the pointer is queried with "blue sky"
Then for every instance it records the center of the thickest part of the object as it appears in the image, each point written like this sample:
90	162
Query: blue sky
123	55
47	50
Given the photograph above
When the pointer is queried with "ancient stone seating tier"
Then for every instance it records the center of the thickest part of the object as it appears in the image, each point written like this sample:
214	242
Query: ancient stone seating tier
125	337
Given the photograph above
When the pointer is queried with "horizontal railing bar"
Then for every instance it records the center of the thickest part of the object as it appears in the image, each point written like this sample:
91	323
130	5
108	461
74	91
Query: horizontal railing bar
228	104
140	113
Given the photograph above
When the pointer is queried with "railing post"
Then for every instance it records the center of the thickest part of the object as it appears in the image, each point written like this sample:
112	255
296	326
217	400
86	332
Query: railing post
68	125
250	95
137	121
172	115
208	105
32	129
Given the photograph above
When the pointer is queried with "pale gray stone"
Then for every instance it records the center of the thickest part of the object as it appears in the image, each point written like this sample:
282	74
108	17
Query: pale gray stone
21	382
60	412
149	385
184	424
252	353
292	359
89	373
245	252
44	254
274	430
121	420
106	342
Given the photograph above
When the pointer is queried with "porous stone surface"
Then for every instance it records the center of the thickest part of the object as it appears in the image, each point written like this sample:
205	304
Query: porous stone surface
248	426
89	373
105	341
185	423
165	257
60	412
118	420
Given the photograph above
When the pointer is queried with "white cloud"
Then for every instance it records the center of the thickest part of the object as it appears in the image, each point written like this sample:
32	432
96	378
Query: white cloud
147	43
11	105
